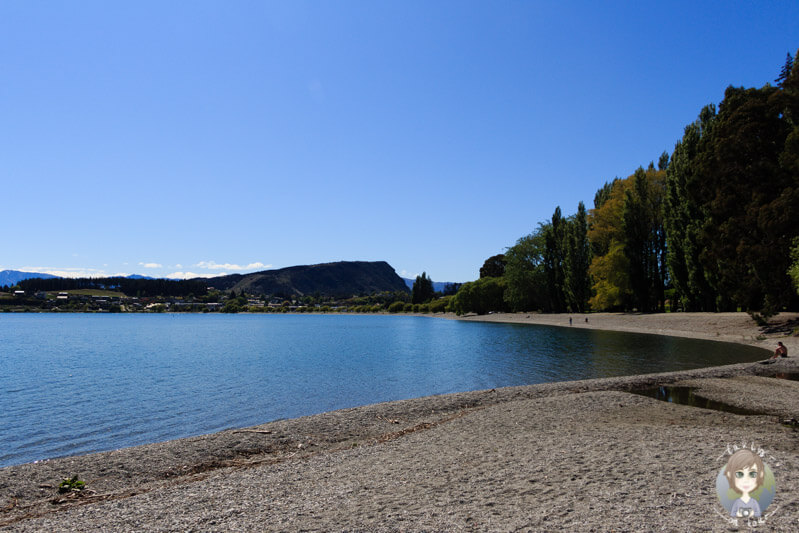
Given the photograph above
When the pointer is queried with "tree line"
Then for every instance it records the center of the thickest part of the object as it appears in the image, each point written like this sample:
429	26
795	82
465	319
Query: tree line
715	227
130	286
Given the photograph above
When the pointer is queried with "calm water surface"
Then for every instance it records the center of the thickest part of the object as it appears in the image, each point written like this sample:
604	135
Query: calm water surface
73	383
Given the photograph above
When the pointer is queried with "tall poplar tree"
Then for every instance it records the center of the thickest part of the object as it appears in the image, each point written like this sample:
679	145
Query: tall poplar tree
752	208
684	217
645	244
628	268
663	162
609	268
577	281
733	200
554	256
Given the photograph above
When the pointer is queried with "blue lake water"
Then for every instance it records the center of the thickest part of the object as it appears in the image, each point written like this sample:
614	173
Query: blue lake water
78	383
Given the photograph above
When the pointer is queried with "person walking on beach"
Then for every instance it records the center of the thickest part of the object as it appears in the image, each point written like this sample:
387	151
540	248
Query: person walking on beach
781	351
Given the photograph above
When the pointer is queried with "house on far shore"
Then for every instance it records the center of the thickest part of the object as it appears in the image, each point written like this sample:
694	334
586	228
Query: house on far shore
19	293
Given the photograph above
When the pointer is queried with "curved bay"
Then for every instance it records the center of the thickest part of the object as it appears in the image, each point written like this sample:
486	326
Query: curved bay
77	383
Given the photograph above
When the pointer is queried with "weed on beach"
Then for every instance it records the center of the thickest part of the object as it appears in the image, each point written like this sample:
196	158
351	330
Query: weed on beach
72	484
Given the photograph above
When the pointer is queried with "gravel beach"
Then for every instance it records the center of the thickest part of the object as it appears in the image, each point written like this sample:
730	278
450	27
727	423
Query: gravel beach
571	456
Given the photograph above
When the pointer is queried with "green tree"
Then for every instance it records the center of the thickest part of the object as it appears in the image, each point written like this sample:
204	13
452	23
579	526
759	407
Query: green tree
440	305
422	290
525	278
644	239
450	289
733	203
231	306
785	73
753	202
684	217
493	267
793	270
481	296
554	257
663	162
577	282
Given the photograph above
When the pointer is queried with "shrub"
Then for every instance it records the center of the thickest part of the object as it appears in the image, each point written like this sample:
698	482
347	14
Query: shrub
440	305
480	296
231	306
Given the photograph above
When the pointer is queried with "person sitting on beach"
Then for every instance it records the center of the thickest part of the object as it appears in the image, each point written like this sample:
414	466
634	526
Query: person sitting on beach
781	351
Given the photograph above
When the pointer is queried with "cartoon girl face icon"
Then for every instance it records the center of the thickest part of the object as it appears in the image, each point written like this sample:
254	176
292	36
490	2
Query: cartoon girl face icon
740	482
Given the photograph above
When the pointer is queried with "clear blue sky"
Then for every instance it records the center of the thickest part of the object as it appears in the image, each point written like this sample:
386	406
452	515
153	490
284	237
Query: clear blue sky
183	138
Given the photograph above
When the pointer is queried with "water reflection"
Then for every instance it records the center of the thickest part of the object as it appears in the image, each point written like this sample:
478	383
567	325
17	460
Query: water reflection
686	396
545	353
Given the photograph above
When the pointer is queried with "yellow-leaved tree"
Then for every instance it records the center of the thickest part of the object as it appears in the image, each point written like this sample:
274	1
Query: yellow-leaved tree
609	266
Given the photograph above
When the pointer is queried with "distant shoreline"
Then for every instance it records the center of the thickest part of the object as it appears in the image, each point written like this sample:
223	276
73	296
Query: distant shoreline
729	327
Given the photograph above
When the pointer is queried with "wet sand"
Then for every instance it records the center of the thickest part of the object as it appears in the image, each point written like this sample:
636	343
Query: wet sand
572	456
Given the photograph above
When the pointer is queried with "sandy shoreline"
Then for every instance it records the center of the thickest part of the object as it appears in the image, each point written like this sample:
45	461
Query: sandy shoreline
574	456
727	327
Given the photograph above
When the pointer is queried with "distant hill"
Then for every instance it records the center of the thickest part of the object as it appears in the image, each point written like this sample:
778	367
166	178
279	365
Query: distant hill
438	286
12	277
340	280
